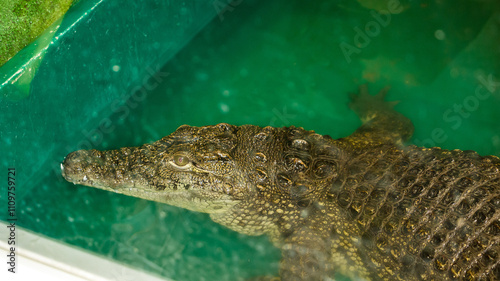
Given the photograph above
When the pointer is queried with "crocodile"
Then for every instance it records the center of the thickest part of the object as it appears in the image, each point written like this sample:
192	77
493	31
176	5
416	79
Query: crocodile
367	206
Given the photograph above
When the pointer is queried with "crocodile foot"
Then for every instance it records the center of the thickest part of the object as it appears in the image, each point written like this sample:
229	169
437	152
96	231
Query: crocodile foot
366	105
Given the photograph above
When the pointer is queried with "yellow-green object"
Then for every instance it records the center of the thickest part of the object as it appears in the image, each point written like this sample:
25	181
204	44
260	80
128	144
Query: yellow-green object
22	21
26	65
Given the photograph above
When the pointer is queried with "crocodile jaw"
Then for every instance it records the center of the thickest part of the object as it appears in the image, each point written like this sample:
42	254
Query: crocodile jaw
100	170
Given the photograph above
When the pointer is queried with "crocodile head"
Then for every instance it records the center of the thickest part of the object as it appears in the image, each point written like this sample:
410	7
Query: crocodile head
244	176
193	168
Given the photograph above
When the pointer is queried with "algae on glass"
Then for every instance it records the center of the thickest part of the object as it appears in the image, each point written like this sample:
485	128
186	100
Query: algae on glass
22	21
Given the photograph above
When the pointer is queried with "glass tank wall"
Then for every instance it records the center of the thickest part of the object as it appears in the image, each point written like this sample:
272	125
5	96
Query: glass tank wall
122	74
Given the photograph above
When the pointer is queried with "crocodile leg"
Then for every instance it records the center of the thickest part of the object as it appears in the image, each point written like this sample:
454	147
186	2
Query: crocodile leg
306	256
381	123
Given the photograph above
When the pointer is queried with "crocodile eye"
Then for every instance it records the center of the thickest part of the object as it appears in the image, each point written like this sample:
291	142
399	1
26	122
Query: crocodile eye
181	160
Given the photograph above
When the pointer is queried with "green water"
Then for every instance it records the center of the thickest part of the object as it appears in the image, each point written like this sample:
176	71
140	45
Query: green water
276	63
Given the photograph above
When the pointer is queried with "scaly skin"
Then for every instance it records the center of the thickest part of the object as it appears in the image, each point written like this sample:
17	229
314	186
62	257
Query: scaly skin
365	205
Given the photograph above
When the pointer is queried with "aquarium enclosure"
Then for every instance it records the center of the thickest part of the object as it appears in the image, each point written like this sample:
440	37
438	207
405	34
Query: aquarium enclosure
107	74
